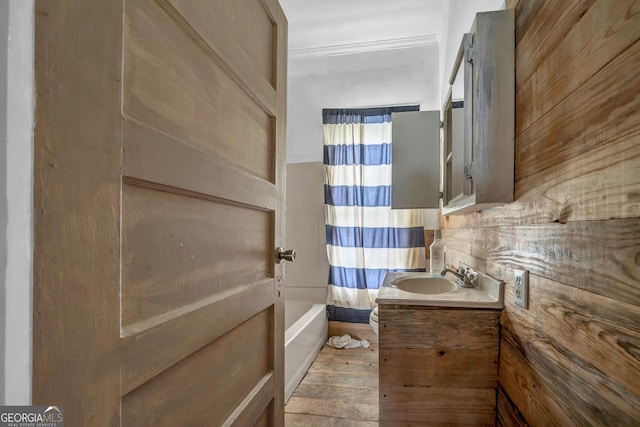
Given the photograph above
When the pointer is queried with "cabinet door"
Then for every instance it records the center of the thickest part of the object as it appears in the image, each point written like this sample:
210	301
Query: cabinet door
415	159
479	118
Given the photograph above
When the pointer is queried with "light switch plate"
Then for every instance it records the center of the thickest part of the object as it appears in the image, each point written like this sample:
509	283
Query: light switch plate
521	288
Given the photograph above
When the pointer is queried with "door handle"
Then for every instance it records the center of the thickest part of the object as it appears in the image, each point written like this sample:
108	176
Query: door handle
282	255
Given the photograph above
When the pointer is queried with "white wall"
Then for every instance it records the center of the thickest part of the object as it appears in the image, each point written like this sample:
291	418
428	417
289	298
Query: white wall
378	78
16	196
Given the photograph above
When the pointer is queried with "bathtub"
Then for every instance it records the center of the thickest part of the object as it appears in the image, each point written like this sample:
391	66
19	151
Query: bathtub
306	332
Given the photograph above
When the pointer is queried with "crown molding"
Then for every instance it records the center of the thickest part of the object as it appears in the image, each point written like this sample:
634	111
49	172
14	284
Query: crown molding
350	48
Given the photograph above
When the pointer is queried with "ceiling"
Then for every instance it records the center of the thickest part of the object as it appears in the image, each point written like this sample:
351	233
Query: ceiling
330	27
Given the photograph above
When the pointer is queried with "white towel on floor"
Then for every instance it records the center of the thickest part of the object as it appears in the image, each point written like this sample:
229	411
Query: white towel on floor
346	341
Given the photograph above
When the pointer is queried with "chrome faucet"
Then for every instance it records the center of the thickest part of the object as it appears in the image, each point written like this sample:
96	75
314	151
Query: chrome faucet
464	280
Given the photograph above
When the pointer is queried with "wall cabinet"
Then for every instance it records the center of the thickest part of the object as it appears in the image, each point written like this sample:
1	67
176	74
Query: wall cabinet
476	146
479	118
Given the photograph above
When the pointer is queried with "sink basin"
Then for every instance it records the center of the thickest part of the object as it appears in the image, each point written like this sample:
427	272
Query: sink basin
424	285
421	288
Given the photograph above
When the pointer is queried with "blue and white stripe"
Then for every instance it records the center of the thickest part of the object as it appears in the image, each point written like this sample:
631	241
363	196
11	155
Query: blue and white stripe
374	237
365	237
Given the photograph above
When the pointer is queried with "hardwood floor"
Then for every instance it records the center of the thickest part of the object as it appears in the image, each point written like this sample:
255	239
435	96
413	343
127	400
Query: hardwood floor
341	386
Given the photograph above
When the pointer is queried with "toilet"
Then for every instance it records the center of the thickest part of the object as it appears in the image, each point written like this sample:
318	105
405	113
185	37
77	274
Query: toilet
373	319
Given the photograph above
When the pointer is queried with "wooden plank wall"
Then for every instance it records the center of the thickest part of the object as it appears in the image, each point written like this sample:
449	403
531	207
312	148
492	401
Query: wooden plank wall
572	358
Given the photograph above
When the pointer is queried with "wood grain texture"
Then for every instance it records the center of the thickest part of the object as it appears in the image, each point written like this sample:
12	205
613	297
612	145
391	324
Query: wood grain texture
343	365
316	376
225	50
600	184
156	160
431	360
600	257
203	162
493	106
249	42
540	27
489	119
331	408
511	4
171	84
440	368
344	393
257	406
178	250
572	357
265	419
152	127
145	352
437	405
76	209
605	31
584	119
303	420
602	364
593	338
508	414
571	381
193	387
366	357
341	386
607	251
447	329
602	332
523	385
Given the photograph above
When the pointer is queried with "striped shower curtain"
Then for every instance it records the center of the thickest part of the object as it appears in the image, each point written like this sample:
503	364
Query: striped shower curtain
365	237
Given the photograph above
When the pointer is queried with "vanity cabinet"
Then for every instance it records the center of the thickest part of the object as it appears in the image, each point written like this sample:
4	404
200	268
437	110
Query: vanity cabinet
476	146
438	365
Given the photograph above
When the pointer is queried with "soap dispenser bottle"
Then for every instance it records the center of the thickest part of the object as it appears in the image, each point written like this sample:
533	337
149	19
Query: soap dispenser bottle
437	252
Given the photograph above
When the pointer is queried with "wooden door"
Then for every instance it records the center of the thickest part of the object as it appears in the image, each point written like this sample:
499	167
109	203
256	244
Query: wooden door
159	178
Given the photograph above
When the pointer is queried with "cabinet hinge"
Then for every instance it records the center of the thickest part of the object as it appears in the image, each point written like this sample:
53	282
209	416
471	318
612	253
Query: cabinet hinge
441	124
469	50
440	195
468	171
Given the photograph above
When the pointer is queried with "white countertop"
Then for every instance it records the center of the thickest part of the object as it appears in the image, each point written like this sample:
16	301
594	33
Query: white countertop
488	293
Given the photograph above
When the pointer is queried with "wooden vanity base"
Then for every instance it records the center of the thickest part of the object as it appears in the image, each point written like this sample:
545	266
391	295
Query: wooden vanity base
438	365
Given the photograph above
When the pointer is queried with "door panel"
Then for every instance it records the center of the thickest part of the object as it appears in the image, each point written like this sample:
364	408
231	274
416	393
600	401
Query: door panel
252	36
145	352
165	306
178	250
159	160
174	85
206	387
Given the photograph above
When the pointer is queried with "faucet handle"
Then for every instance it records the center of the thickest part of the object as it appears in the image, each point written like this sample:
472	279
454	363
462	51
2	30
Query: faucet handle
472	276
